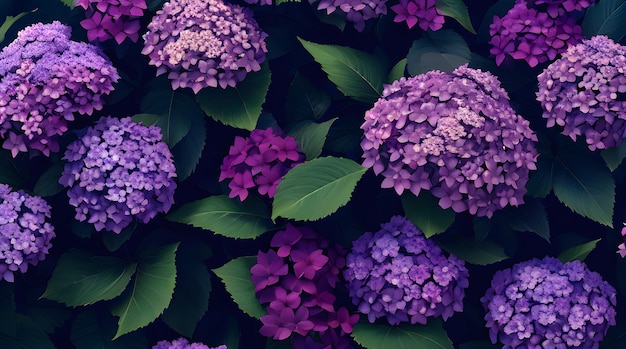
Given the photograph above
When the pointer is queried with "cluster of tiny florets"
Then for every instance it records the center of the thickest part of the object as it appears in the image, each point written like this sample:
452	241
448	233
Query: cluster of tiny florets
621	248
424	13
204	43
356	11
117	170
296	281
44	79
182	343
585	92
25	233
548	304
112	19
453	134
399	274
260	161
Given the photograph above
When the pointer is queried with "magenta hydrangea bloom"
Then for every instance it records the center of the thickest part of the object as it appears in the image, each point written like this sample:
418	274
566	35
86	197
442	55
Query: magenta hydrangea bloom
454	134
583	92
112	19
356	11
260	161
44	79
182	343
399	274
204	43
548	304
421	12
117	170
296	281
556	8
25	233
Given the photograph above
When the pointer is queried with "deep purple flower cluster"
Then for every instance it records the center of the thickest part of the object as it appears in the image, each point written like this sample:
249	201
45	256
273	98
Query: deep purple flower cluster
296	281
24	233
584	92
399	274
182	343
261	161
533	35
203	43
44	79
621	249
556	8
356	11
548	304
112	19
454	134
421	12
117	170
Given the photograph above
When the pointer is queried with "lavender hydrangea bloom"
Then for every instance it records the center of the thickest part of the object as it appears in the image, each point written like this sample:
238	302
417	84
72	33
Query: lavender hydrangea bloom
182	343
45	79
548	304
260	160
421	12
584	92
202	43
356	11
24	233
112	19
117	170
399	274
454	134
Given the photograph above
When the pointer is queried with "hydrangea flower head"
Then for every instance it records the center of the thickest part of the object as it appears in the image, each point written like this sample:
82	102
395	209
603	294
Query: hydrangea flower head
547	304
44	79
204	43
117	170
421	12
556	8
296	281
356	11
621	249
584	92
260	161
25	233
454	134
112	19
182	343
399	274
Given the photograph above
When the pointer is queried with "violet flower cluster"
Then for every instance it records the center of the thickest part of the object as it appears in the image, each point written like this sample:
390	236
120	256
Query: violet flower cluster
117	170
585	92
296	280
182	343
534	33
25	233
399	274
621	248
454	134
204	43
356	11
548	304
44	79
421	12
260	161
112	19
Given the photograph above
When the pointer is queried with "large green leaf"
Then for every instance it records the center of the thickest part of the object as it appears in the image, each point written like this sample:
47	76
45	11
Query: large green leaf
10	174
317	188
311	136
7	310
356	74
614	156
606	17
69	3
151	290
236	277
425	213
381	336
238	106
10	20
48	315
48	182
225	216
456	9
443	50
481	252
531	217
95	330
305	101
579	252
188	151
27	336
397	71
81	278
174	111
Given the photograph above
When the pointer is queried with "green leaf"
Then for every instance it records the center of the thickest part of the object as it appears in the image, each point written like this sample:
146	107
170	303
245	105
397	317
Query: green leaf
114	241
188	151
311	136
482	252
316	188
425	213
236	277
175	111
530	216
10	20
69	3
443	50
48	182
606	17
228	217
7	310
278	2
397	71
614	156
28	335
238	106
579	252
81	278
48	315
151	290
305	101
456	9
95	330
358	75
9	174
380	336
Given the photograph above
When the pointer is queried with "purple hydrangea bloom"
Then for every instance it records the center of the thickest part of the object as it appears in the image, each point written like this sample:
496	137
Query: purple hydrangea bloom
548	304
204	43
24	233
45	79
182	343
421	12
399	274
117	170
261	161
112	19
621	249
583	92
296	281
534	36
454	134
356	11
556	8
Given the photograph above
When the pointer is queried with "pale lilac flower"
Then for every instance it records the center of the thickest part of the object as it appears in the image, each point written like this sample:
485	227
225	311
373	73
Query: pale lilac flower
421	12
182	343
112	19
